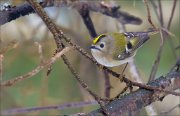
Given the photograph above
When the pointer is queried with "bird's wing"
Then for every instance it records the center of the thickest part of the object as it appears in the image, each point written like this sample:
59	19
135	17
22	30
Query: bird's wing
136	39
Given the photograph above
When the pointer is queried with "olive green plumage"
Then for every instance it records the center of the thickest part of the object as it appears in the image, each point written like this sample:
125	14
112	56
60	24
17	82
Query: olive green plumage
113	49
119	44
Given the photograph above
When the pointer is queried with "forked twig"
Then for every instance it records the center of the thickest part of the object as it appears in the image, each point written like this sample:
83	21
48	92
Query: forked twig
171	44
163	38
58	35
36	70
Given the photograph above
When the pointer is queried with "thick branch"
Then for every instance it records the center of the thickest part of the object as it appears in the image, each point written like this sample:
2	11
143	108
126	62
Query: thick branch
15	12
84	12
25	9
129	104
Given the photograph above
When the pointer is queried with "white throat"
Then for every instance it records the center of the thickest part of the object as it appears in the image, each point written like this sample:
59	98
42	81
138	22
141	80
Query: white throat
108	61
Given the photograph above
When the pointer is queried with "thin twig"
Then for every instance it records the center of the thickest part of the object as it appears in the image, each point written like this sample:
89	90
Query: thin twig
107	84
153	88
44	80
84	85
53	107
149	14
155	9
125	88
162	34
122	73
161	19
78	48
171	44
49	69
157	61
172	14
46	35
34	71
1	66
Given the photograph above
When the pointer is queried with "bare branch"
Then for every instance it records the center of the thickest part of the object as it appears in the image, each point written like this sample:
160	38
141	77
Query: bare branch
172	14
155	9
161	19
34	71
171	44
84	12
149	14
163	37
135	74
156	62
15	12
53	107
107	85
142	97
25	9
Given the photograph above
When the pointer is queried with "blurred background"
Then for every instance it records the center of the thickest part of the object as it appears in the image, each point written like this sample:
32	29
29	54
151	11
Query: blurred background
20	40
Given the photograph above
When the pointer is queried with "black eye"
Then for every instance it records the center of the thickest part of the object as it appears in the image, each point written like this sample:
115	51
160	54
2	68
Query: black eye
129	45
102	45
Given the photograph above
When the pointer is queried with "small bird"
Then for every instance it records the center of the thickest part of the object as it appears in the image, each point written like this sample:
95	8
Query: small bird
114	49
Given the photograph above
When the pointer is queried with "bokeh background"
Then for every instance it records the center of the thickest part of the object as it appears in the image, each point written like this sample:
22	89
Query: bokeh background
20	38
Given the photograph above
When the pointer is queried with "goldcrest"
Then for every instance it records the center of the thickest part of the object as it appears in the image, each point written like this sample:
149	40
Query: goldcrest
113	49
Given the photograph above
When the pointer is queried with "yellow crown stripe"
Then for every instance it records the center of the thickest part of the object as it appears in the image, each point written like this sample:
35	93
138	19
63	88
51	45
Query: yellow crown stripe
98	38
95	40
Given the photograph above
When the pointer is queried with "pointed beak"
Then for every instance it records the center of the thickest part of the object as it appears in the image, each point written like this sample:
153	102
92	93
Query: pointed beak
94	47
